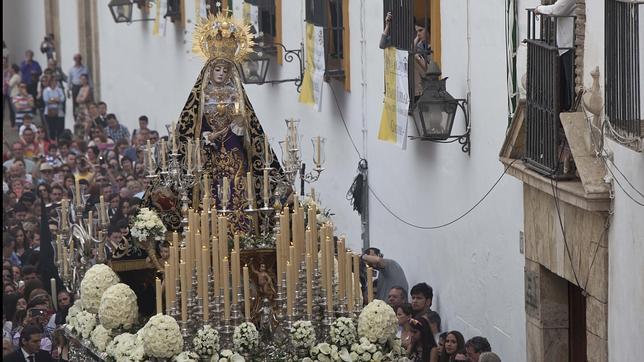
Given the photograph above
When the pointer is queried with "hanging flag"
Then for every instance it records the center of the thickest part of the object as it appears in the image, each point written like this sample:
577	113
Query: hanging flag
163	9
394	119
157	19
313	81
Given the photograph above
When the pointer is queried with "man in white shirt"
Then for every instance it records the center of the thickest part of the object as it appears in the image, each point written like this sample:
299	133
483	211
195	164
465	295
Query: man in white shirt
565	10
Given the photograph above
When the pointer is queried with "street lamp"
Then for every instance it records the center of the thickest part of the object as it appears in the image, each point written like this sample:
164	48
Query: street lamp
255	69
122	10
435	111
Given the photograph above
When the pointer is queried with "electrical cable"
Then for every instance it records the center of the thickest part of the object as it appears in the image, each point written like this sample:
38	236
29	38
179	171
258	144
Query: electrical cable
622	187
345	123
624	176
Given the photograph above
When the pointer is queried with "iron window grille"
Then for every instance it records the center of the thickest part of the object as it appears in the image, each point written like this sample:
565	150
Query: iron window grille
328	15
402	35
266	19
546	144
622	68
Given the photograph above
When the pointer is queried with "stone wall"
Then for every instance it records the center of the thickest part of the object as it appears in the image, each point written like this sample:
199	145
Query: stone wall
546	256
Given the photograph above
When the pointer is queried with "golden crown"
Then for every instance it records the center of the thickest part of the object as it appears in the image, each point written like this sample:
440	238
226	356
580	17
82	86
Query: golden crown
222	37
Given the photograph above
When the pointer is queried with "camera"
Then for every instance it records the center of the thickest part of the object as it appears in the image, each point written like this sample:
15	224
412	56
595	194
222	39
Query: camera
37	312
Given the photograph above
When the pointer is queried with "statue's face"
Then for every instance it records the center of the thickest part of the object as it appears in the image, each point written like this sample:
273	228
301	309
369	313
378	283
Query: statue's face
220	73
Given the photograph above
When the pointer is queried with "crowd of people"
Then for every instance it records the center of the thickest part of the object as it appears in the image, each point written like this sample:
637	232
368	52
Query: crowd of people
41	162
419	327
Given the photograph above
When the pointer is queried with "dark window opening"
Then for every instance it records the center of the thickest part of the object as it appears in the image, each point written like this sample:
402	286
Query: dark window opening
328	15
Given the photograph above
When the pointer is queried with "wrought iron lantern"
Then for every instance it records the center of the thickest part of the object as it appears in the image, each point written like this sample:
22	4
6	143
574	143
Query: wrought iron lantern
122	10
436	109
255	69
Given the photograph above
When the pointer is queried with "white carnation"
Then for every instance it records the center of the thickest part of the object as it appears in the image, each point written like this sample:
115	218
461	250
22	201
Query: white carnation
206	342
95	282
162	337
245	337
343	332
377	322
84	323
303	334
100	338
118	307
186	356
126	347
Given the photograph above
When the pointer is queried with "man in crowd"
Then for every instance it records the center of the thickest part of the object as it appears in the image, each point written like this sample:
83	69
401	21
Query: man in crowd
396	297
115	130
17	151
390	273
475	346
421	300
75	73
30	339
30	72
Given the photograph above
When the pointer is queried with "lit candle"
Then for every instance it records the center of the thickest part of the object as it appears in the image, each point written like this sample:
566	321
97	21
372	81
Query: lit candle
223	244
78	193
250	189
205	226
54	294
226	189
184	291
90	221
341	288
174	137
267	159
163	153
236	242
313	226
225	286
236	107
235	275
309	286
213	218
356	278
150	156
289	288
215	265
64	211
317	152
204	276
266	188
59	249
197	255
189	156
101	246
102	216
158	295
349	280
278	257
65	263
246	294
330	272
167	281
369	284
313	193
198	151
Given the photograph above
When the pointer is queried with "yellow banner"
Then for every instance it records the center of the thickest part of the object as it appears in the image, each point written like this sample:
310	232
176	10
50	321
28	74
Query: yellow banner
157	19
313	81
393	121
306	95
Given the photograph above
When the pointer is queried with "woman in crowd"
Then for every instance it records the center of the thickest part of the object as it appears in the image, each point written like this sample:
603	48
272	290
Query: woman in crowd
436	351
54	98
42	140
404	313
421	341
20	247
83	99
454	349
14	82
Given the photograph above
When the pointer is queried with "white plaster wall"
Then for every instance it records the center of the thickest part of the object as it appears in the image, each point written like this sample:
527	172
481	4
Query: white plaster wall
69	40
23	28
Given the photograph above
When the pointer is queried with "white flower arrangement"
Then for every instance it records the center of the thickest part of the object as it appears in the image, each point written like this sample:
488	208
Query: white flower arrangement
303	334
327	353
118	308
162	337
186	356
95	282
126	347
147	224
343	332
100	338
227	356
245	337
394	350
83	323
73	311
206	342
377	322
366	351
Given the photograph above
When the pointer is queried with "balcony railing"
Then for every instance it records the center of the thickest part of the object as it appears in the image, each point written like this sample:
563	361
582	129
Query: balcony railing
328	14
545	138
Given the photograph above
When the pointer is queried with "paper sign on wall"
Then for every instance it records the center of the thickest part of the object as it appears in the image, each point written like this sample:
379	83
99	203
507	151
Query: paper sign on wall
394	119
313	81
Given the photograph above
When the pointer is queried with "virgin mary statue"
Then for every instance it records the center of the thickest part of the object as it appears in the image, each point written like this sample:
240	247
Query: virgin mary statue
219	117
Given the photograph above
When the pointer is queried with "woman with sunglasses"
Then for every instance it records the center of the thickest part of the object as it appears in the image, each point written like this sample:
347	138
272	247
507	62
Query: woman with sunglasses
422	340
